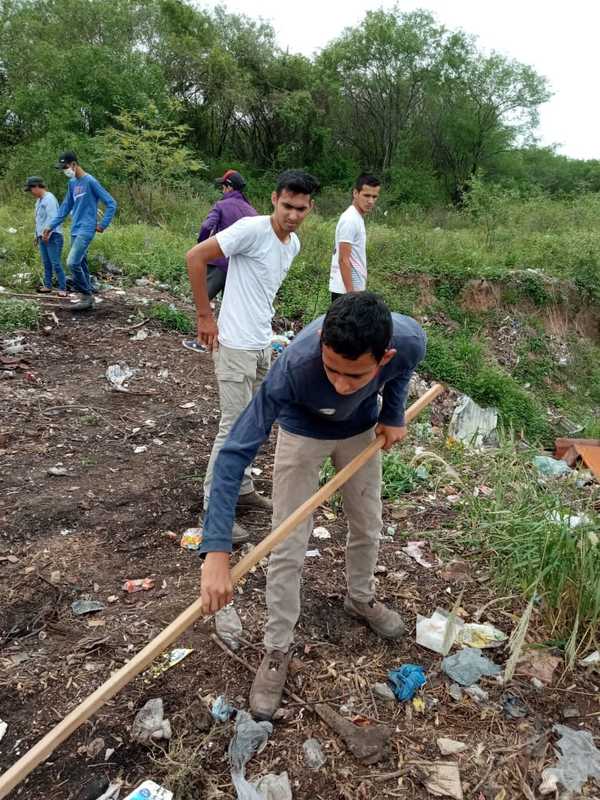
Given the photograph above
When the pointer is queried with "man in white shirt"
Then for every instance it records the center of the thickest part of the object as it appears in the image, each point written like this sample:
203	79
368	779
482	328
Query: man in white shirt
260	251
349	260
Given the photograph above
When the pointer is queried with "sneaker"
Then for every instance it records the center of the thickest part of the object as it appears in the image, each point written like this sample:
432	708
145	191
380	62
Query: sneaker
239	534
382	620
267	687
85	302
194	344
255	500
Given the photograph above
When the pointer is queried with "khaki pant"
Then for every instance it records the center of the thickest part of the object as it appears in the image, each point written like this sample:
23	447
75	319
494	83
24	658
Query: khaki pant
239	374
295	478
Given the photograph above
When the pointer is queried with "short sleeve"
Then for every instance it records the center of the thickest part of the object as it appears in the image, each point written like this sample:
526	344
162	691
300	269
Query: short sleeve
348	231
239	237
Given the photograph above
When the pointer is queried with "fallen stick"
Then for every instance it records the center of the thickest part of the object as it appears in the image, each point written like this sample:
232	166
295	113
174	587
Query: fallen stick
40	751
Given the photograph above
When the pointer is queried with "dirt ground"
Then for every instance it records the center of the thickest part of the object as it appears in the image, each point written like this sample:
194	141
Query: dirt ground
80	534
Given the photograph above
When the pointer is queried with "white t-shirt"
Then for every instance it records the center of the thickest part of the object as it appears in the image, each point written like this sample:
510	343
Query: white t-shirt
350	229
258	263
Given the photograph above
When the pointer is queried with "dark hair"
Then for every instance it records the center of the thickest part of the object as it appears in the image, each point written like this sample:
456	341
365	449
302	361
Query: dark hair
297	182
366	179
358	323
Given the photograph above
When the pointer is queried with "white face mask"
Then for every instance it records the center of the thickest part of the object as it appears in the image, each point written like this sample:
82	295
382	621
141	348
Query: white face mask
69	173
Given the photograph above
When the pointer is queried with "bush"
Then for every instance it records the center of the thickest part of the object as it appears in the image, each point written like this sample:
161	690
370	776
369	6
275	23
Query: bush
16	314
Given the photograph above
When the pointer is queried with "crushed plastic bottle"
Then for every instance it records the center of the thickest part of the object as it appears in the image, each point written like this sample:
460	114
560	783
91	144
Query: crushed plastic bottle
229	626
313	755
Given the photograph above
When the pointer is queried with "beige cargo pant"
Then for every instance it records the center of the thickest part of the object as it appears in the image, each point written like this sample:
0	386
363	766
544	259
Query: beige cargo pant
239	374
295	478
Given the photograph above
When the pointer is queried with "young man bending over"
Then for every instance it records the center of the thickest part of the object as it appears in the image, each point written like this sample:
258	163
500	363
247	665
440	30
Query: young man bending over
323	391
260	252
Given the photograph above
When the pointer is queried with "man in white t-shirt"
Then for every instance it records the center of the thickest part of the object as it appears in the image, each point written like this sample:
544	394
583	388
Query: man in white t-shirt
349	259
260	252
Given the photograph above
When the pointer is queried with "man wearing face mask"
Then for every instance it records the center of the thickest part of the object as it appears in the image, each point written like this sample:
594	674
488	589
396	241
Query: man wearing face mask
84	193
323	391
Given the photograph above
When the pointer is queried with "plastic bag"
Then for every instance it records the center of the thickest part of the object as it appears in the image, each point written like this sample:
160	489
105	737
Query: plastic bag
467	666
249	737
229	626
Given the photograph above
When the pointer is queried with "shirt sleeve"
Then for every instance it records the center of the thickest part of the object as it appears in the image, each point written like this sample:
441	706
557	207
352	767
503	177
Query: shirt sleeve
63	211
109	201
245	438
348	232
238	238
210	223
395	391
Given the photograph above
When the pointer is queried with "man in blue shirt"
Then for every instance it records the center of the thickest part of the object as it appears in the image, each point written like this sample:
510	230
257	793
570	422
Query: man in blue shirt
84	193
324	393
46	208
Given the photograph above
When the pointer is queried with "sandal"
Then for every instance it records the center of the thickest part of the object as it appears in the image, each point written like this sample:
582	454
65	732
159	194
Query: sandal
43	290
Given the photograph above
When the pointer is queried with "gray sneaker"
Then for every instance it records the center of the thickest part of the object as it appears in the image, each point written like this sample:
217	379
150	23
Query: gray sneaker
267	687
85	303
382	620
239	535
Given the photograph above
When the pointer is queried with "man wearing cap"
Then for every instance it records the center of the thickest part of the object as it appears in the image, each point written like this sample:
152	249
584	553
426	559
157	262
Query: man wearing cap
84	193
46	208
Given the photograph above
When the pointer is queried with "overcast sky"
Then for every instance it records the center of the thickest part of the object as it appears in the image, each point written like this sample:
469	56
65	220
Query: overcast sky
559	39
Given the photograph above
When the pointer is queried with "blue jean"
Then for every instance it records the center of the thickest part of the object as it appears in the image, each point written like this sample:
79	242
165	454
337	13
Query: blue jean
77	263
51	254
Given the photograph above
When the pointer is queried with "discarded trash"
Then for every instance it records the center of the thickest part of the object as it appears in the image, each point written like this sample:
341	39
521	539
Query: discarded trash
481	636
468	665
140	448
11	230
80	607
455	692
570	712
513	706
189	404
274	787
279	342
138	585
439	631
229	626
150	723
383	692
472	425
477	694
368	745
592	660
538	663
313	755
139	335
191	539
249	737
313	553
95	747
551	467
11	559
112	793
3	728
169	660
57	472
407	680
221	710
117	375
579	760
149	790
414	550
443	779
321	533
570	520
448	747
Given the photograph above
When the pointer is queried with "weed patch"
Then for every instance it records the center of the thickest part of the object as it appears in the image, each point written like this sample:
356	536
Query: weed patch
16	314
170	318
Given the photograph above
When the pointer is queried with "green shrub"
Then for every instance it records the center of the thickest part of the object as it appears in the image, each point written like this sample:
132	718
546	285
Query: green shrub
16	314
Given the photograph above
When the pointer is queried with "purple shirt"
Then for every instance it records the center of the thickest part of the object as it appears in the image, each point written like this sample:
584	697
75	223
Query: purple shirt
225	212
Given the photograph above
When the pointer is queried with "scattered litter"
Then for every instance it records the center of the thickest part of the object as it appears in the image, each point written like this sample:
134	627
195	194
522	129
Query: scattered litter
570	712
513	706
249	737
439	631
109	752
169	660
313	754
11	230
456	571
321	533
551	467
256	471
455	692
472	425
448	747
138	585
117	375
112	598
313	553
414	551
578	761
140	335
279	342
229	626
590	661
58	472
480	636
149	790
140	448
443	779
477	694
191	539
538	663
112	793
80	607
11	559
221	710
191	404
573	450
274	787
483	491
407	680
95	747
570	520
150	723
468	665
3	728
65	531
383	692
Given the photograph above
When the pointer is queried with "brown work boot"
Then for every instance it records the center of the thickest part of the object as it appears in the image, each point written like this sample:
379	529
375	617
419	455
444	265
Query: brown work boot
383	620
267	687
255	500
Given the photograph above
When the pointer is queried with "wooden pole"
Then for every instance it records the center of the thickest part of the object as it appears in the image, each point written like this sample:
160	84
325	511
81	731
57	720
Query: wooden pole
40	751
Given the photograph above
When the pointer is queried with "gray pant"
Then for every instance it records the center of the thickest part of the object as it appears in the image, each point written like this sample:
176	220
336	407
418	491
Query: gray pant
295	478
239	374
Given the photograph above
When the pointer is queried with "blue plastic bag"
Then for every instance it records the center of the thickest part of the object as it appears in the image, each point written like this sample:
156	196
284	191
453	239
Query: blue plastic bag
407	680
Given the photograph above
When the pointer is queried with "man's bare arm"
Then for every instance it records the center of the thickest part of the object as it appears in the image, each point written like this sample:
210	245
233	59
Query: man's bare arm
345	250
197	260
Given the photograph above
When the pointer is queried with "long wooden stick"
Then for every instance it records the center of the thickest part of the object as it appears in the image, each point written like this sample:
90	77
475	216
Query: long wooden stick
40	751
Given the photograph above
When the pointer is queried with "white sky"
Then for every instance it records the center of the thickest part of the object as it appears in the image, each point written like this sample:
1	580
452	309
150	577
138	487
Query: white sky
560	40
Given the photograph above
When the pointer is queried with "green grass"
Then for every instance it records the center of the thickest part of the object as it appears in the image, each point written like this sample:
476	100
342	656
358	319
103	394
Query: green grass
170	318
18	314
